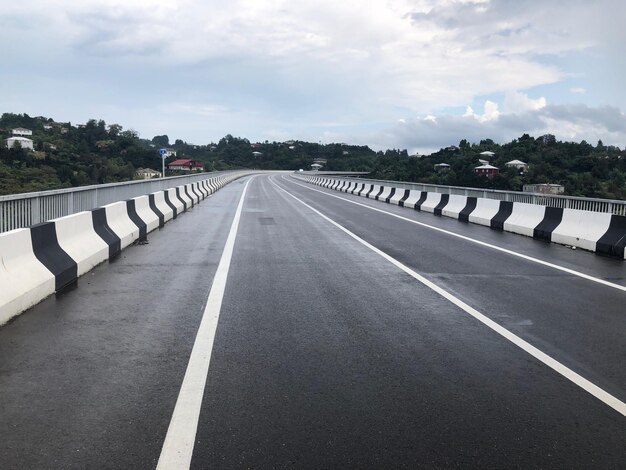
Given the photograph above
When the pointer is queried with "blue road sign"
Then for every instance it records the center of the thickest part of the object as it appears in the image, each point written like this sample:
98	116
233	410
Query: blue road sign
162	151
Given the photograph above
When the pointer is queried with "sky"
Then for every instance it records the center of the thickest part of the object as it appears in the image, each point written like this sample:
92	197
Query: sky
407	74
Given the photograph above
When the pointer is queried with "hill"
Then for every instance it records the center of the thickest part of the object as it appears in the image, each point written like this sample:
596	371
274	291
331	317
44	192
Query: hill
67	155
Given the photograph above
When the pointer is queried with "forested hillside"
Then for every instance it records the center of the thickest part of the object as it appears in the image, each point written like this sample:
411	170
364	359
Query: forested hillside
67	155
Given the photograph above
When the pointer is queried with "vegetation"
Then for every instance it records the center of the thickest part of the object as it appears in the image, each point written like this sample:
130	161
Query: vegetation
96	153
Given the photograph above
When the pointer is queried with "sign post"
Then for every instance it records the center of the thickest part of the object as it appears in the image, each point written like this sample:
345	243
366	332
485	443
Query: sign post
163	154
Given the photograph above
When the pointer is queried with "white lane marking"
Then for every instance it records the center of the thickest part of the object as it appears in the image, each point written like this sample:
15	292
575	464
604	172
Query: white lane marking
473	240
178	446
565	371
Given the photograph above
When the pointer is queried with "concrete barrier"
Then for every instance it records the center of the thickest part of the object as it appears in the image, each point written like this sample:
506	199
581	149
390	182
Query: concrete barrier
152	201
485	210
431	201
145	212
455	205
613	242
600	232
398	196
78	238
29	280
162	206
524	218
121	224
384	194
582	229
173	201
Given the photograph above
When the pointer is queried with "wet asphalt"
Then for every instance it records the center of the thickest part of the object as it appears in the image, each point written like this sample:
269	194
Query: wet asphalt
326	355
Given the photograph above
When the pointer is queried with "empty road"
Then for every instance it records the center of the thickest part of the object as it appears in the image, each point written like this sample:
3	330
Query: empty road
282	325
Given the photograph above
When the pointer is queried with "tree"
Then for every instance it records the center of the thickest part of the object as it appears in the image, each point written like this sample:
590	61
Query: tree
161	140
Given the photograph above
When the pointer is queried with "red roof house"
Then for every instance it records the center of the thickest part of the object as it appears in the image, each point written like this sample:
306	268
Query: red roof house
185	164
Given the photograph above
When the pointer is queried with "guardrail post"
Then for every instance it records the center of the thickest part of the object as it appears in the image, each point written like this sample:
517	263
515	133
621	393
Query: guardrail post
35	214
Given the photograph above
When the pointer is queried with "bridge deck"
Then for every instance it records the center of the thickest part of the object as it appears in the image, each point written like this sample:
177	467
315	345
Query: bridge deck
326	354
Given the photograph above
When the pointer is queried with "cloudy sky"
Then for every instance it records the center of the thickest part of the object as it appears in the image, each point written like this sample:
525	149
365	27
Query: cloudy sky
414	74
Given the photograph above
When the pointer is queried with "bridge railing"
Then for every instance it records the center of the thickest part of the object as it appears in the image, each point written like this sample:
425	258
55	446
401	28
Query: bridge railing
551	200
24	210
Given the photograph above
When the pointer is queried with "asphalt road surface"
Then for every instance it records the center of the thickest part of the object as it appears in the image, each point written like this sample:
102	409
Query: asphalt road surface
335	335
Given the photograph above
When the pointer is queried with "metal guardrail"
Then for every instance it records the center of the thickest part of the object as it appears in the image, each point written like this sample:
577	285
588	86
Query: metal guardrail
551	200
24	210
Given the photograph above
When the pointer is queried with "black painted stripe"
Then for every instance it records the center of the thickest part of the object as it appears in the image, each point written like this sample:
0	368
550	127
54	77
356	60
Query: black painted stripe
47	250
181	199
442	203
504	212
156	210
551	220
470	205
360	191
101	226
420	201
370	191
407	193
393	191
169	203
613	242
138	221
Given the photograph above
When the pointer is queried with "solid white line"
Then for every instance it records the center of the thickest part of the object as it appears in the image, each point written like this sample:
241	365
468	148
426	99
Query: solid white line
472	240
181	434
566	372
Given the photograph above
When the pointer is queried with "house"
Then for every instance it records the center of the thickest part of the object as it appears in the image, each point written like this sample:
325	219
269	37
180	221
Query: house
289	142
345	152
316	166
520	165
487	170
257	154
442	167
321	161
23	141
487	153
168	152
185	165
147	173
452	148
544	188
47	126
483	162
21	131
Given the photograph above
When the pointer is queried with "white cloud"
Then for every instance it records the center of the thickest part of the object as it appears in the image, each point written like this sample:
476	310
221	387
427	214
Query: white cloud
289	65
578	90
490	113
567	122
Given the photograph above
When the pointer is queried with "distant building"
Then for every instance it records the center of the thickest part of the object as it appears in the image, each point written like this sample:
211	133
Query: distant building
345	152
292	147
257	154
47	126
520	165
487	153
289	142
544	188
316	166
23	141
442	167
452	148
321	161
147	173
483	162
185	165
21	131
487	170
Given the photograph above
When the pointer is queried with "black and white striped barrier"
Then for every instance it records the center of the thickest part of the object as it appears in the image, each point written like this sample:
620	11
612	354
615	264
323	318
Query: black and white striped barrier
38	261
599	232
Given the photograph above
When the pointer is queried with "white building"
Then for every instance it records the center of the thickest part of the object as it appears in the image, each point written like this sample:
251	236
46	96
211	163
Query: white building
21	131
147	173
24	142
316	166
487	153
520	165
